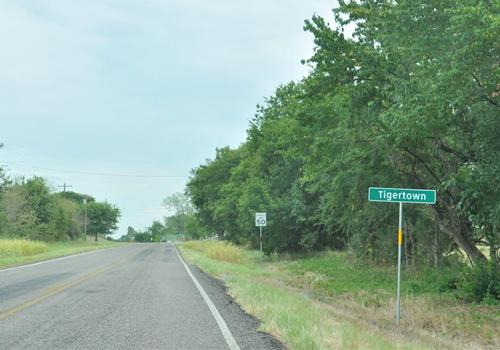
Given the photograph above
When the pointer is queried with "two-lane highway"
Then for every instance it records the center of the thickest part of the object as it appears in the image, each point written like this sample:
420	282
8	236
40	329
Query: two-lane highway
140	296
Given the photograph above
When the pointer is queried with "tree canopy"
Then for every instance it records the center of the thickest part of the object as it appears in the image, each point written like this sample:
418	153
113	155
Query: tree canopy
30	209
410	100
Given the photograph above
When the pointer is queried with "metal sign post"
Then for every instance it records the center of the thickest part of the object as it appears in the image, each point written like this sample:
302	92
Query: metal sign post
260	227
260	221
400	195
400	243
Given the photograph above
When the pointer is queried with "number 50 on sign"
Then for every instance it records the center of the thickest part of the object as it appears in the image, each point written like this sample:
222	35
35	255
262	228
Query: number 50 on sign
260	219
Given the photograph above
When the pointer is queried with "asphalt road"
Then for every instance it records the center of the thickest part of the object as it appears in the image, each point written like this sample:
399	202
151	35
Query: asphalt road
140	296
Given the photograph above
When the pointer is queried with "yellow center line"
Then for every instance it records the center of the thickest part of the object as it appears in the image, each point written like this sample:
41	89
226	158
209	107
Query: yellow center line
58	289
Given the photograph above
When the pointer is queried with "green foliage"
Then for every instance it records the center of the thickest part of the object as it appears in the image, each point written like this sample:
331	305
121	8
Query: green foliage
481	283
410	101
178	203
31	251
20	247
181	224
339	290
143	237
102	218
29	209
4	178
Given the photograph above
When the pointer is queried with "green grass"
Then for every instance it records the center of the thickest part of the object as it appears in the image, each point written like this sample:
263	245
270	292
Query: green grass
20	247
38	251
341	273
330	301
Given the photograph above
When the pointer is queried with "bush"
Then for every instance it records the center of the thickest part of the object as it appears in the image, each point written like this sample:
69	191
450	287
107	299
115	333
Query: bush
481	283
217	250
20	247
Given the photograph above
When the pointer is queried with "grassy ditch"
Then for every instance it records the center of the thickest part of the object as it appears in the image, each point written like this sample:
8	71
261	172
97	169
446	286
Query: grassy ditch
330	301
15	252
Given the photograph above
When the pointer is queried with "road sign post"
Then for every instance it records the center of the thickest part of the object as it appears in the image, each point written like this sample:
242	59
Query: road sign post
260	221
260	240
400	195
400	244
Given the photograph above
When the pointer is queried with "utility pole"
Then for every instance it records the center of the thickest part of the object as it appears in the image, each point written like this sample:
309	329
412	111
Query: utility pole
64	186
85	223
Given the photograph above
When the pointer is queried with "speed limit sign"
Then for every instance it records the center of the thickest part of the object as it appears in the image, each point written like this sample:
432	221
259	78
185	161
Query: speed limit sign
260	219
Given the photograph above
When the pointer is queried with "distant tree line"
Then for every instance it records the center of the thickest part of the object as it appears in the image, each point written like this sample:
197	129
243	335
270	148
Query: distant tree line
181	224
29	209
411	101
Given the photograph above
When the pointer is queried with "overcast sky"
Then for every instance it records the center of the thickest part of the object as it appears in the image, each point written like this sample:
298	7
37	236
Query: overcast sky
145	87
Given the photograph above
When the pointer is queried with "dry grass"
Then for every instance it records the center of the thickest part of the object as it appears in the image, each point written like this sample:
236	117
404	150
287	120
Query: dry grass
21	247
326	302
18	252
217	250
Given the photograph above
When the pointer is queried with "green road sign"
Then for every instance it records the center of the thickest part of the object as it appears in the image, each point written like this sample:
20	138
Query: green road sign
403	195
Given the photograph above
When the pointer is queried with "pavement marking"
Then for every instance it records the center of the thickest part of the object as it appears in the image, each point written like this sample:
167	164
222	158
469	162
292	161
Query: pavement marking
56	259
58	289
220	321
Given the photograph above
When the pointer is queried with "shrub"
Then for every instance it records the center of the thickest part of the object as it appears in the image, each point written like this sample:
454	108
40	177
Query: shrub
217	250
21	247
481	283
225	251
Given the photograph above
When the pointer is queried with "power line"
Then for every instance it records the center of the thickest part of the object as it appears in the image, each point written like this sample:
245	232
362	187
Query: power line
95	173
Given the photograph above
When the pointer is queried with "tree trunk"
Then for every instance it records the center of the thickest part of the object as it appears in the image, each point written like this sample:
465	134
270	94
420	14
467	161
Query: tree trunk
413	248
96	237
406	245
459	232
493	242
436	250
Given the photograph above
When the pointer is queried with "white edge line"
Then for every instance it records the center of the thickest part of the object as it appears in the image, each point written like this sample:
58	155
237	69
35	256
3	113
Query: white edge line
220	321
55	259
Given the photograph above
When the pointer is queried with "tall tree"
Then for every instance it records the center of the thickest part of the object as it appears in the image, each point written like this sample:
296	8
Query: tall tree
102	218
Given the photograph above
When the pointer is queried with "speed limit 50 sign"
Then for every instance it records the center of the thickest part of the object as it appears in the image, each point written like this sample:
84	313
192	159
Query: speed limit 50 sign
260	219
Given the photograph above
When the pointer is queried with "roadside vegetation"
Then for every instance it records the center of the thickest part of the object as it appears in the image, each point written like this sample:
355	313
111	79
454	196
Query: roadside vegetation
329	300
409	100
19	252
37	223
181	223
20	247
31	210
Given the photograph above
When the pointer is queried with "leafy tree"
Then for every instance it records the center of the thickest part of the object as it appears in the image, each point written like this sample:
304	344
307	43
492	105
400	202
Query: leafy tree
130	236
156	231
179	204
76	197
18	219
204	188
102	218
38	198
183	221
410	101
143	237
4	179
71	217
29	209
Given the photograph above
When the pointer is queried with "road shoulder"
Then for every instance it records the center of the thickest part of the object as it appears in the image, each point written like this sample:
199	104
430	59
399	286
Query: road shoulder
243	326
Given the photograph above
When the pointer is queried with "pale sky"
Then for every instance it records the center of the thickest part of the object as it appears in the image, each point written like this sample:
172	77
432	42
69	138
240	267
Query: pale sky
146	88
